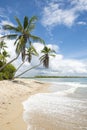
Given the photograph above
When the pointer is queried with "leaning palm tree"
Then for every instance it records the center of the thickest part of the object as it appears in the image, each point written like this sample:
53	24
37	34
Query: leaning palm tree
30	52
23	35
45	58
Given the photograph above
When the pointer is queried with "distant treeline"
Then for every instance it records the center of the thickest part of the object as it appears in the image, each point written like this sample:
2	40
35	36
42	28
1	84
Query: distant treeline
39	76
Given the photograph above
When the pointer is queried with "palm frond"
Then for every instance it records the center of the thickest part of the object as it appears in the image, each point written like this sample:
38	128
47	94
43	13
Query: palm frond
34	51
36	38
53	51
25	22
10	27
53	55
30	28
10	36
19	23
16	41
33	20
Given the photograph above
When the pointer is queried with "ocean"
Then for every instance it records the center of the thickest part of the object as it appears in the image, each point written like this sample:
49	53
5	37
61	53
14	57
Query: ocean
64	108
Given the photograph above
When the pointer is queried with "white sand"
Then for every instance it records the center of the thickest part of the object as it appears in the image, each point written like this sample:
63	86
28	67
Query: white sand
12	94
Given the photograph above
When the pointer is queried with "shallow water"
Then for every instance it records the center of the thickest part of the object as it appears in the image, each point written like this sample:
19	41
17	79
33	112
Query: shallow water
64	108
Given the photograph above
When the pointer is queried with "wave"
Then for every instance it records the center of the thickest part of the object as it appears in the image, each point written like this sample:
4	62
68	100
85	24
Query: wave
56	110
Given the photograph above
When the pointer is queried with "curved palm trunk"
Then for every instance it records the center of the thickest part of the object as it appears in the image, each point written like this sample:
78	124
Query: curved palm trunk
19	67
28	70
8	63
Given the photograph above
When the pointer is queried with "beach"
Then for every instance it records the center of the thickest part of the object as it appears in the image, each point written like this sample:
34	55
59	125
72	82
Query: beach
12	94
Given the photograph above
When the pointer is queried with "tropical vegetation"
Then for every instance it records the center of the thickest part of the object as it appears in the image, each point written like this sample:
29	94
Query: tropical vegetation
7	72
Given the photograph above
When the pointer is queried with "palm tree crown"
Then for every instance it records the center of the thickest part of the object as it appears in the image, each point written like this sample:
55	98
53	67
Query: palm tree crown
45	58
31	51
23	34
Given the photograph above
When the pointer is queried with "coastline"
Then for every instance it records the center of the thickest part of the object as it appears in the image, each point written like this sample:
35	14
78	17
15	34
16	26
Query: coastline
12	94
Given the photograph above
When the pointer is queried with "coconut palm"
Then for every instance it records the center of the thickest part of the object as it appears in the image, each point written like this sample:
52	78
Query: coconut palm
45	58
23	34
30	52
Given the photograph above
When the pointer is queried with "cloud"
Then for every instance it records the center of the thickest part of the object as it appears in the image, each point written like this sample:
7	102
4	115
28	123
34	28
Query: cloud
58	65
56	13
4	19
68	66
79	5
53	15
81	23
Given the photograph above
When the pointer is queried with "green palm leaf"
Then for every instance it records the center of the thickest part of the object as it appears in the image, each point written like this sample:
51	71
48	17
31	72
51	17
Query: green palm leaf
33	20
19	23
37	39
45	57
25	22
10	36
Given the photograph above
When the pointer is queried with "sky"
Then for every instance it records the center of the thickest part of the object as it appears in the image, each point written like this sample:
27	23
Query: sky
63	26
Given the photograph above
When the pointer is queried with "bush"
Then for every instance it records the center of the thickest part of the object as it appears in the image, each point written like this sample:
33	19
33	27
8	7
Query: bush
7	72
1	76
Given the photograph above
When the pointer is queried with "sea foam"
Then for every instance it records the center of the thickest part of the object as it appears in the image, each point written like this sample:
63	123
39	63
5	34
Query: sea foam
53	111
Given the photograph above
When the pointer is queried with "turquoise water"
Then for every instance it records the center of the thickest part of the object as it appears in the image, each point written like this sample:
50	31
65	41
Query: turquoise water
79	80
77	86
64	108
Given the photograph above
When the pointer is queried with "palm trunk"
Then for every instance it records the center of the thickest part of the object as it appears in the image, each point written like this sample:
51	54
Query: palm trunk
28	70
19	67
8	63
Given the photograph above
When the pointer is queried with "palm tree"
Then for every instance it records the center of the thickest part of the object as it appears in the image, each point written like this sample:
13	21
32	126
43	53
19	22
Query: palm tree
23	35
45	58
30	52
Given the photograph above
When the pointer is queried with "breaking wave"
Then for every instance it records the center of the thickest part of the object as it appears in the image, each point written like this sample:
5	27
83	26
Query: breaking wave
65	109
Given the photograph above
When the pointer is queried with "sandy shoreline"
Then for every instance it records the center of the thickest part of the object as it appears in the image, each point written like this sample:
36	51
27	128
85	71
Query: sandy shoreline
12	94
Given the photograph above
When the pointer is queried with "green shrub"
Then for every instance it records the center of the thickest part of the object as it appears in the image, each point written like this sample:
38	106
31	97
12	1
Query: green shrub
7	72
1	75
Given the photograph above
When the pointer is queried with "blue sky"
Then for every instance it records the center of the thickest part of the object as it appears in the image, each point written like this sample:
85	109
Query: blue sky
60	22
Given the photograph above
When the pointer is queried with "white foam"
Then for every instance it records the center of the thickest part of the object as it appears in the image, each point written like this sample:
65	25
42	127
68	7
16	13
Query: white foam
52	111
66	88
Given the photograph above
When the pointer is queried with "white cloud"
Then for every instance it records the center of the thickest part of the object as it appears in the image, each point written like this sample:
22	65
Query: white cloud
81	23
80	5
54	14
68	66
58	65
4	19
4	22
